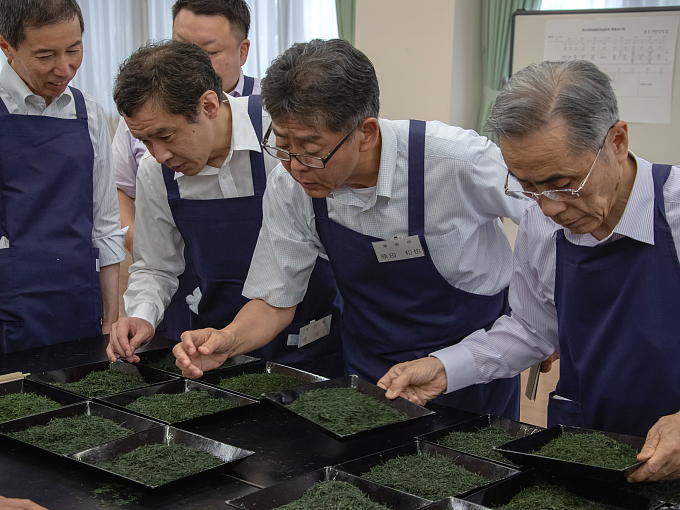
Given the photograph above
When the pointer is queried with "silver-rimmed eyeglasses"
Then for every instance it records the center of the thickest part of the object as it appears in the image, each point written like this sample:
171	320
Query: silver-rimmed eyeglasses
558	195
305	159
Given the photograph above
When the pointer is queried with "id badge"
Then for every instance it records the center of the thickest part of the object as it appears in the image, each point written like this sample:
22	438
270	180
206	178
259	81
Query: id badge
314	330
398	248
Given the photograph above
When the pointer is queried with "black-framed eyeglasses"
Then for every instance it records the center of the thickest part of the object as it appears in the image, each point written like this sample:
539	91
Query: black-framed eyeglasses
305	159
558	195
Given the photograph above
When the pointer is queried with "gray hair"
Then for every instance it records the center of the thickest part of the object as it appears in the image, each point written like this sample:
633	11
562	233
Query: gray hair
328	82
18	15
575	91
172	74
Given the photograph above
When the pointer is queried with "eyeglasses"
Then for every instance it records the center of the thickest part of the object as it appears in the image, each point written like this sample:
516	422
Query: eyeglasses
558	195
305	159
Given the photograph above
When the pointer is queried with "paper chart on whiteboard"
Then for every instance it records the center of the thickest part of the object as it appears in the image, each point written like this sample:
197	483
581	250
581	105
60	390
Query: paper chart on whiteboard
638	53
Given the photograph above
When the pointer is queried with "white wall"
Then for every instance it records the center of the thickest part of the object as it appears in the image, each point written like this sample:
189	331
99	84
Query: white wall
427	56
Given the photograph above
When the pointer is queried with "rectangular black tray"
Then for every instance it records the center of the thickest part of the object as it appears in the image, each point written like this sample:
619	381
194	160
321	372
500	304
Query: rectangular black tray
121	400
413	411
520	452
45	390
259	367
130	421
166	434
492	471
293	489
67	375
502	492
516	428
147	358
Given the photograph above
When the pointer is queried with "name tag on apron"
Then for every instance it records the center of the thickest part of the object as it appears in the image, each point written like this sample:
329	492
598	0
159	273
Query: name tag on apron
311	332
398	248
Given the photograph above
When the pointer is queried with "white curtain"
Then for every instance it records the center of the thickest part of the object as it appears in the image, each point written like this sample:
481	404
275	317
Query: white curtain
114	29
554	5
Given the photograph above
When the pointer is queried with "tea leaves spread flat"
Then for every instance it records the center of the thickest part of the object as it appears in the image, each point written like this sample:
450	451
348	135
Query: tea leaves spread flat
550	497
16	405
174	407
256	384
480	442
103	382
333	495
594	449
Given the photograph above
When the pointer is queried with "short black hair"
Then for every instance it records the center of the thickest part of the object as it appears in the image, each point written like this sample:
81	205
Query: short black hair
237	12
172	74
327	82
18	15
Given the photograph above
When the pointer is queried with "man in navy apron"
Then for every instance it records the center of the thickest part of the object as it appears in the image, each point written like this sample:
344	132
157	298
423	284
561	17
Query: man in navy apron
597	277
220	27
60	241
202	196
405	211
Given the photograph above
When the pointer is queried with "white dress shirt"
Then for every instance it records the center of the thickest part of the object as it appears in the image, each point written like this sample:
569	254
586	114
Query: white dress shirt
159	247
107	235
530	334
464	201
128	151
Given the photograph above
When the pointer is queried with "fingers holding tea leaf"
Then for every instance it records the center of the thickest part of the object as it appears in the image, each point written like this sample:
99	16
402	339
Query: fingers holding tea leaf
201	350
420	380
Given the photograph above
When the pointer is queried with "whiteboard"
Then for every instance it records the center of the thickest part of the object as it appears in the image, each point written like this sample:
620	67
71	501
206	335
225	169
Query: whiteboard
656	136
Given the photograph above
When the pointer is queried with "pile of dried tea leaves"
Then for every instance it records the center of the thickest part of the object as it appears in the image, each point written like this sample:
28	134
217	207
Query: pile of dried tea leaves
16	405
594	449
103	382
174	407
428	476
69	435
345	410
156	464
255	384
333	495
550	497
479	442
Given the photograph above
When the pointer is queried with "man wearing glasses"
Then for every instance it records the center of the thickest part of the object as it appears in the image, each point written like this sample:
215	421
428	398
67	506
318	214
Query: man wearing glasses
408	214
201	187
596	275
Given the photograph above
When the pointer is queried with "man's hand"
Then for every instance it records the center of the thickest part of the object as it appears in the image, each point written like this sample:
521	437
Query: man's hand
419	381
19	504
127	335
661	452
546	364
203	349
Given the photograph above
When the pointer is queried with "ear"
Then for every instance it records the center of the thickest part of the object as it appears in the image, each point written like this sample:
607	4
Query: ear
243	49
619	138
370	132
209	104
7	49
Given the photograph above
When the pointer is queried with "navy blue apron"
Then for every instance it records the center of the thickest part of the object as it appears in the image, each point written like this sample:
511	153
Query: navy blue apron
617	310
49	283
403	310
177	316
220	237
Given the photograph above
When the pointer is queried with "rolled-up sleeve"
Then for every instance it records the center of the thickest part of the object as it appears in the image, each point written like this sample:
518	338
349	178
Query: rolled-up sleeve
287	246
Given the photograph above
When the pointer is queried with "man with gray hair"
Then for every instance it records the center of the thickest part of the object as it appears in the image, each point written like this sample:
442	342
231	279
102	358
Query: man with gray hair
408	213
596	274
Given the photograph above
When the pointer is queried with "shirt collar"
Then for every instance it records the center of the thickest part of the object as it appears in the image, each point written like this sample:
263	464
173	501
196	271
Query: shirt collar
388	165
21	95
243	137
238	89
637	221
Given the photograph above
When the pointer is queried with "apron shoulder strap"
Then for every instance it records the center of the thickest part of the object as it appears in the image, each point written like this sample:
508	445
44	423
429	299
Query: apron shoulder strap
248	85
416	178
320	208
257	158
81	109
3	109
170	183
660	175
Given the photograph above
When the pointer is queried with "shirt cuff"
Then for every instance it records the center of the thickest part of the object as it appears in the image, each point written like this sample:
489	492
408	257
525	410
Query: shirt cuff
147	311
461	370
111	247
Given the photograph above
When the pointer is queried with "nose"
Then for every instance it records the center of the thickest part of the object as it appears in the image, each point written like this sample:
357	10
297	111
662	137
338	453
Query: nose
63	67
296	166
160	151
551	208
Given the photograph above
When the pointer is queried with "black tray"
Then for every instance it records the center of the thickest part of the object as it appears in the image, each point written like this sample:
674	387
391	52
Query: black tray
291	490
492	471
45	390
121	400
284	398
519	451
130	421
148	357
516	428
502	492
66	375
163	435
259	367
